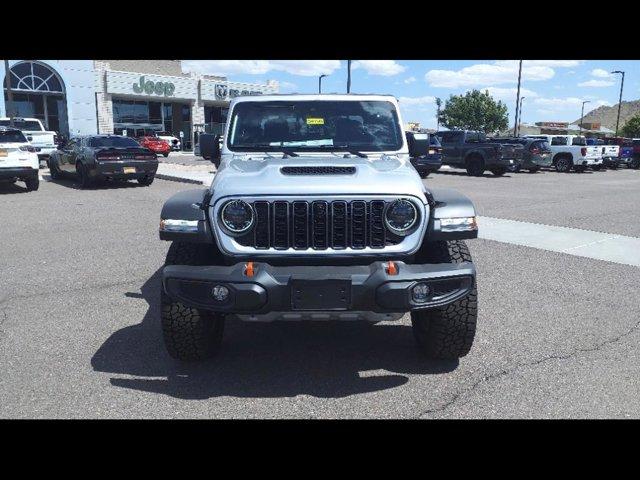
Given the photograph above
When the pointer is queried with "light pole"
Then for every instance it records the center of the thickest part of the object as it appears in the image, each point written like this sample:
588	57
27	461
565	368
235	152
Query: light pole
515	127
348	76
619	101
438	105
7	79
520	121
320	83
582	115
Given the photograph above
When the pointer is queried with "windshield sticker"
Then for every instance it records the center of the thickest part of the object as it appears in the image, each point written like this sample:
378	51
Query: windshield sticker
315	121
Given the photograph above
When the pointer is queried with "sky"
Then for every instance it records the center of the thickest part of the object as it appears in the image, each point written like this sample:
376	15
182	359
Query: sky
553	90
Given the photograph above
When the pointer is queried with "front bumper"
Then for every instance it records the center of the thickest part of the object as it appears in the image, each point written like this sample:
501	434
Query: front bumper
365	288
116	169
429	163
17	172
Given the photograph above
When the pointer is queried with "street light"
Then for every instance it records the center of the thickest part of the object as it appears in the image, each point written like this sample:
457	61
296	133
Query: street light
348	76
515	127
619	101
320	83
582	115
520	121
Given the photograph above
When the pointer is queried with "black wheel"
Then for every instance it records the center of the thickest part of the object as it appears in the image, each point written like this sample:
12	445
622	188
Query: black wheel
53	170
32	184
423	174
534	170
635	163
189	333
498	172
447	332
597	168
165	155
563	164
83	177
475	166
146	180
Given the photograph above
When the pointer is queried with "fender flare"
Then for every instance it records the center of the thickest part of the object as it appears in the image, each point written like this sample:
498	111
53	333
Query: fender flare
190	205
448	203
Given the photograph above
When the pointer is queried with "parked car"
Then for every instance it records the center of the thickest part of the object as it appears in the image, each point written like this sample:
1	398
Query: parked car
571	152
316	213
635	161
535	152
472	151
99	157
46	141
18	159
171	139
155	144
425	152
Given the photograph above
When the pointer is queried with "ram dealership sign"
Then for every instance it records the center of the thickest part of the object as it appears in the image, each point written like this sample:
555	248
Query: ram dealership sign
223	92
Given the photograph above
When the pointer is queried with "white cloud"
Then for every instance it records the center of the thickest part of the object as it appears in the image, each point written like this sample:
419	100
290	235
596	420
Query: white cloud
552	105
596	83
497	73
259	67
410	80
385	68
600	73
507	94
417	101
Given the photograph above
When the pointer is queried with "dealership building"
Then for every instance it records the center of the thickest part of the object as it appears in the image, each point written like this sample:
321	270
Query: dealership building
132	97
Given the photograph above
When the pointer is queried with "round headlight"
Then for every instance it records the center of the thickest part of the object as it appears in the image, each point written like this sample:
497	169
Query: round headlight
237	216
401	216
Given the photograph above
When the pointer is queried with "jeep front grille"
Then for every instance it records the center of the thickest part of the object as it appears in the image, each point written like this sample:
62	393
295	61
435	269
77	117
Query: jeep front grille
319	225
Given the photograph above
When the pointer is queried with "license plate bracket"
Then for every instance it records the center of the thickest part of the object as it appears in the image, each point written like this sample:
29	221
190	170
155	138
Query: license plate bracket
320	294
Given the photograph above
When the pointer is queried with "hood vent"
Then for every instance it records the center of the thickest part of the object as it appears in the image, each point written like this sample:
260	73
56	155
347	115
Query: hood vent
318	170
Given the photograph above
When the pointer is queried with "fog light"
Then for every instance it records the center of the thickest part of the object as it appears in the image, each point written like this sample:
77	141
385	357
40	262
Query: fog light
220	293
420	292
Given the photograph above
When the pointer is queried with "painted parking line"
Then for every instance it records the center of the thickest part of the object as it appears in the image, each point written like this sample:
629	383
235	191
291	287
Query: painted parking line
573	241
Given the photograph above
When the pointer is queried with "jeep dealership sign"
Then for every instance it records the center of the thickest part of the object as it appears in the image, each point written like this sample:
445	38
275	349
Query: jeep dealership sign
150	87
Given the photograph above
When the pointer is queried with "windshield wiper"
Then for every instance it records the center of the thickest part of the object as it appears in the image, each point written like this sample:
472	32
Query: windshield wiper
345	148
269	148
289	153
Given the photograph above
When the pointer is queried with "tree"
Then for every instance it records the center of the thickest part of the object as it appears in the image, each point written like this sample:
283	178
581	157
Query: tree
474	110
631	129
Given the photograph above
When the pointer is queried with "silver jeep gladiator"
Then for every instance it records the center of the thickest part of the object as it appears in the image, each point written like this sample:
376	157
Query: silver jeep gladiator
316	213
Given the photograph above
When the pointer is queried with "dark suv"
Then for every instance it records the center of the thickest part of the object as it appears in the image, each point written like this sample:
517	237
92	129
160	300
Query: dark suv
99	157
535	152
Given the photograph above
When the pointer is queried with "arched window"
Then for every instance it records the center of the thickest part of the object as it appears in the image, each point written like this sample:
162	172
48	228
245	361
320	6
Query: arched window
35	77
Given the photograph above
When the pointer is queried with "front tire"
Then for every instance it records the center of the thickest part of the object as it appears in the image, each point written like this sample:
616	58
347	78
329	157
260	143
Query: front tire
32	184
53	170
447	332
475	166
534	170
189	334
424	174
83	177
498	172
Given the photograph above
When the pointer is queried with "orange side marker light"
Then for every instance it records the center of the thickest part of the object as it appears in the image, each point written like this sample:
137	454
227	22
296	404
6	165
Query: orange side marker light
392	268
249	271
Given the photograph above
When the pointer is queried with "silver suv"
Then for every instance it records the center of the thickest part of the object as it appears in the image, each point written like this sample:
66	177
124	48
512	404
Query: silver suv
316	213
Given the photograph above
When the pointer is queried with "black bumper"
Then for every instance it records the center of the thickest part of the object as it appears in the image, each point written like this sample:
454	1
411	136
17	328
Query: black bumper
18	172
118	169
366	288
429	163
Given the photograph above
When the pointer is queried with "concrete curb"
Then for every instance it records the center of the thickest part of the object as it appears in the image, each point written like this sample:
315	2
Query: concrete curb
175	178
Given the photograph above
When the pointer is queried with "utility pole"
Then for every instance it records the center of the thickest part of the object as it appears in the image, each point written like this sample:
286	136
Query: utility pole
520	120
515	127
320	83
582	116
348	76
7	80
619	101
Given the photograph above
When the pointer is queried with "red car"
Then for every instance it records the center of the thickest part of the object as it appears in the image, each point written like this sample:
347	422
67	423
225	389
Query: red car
156	145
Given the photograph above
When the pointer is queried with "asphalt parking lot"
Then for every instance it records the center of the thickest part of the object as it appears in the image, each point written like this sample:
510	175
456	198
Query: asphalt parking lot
558	334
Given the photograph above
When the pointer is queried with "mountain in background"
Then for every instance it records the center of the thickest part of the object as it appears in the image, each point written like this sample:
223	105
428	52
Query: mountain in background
607	115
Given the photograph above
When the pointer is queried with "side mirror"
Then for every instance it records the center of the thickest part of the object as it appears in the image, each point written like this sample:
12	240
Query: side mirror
418	144
216	156
29	137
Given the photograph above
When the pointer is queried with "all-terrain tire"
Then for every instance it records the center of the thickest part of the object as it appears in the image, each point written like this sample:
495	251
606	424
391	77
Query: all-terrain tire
189	334
447	332
475	166
32	184
423	174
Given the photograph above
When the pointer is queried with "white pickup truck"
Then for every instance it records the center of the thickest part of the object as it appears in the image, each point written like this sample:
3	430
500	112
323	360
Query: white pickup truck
35	132
572	152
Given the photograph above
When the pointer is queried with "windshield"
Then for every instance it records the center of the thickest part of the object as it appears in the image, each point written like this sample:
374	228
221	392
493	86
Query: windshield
12	136
29	125
315	125
114	142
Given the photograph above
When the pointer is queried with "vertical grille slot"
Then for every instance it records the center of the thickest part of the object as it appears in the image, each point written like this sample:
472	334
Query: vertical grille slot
376	225
319	224
261	230
280	225
358	224
300	225
339	224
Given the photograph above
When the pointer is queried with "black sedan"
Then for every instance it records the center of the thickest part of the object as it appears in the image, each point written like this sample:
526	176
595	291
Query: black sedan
100	157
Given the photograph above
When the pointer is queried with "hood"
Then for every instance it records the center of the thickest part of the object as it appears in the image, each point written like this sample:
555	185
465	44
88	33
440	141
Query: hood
263	175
